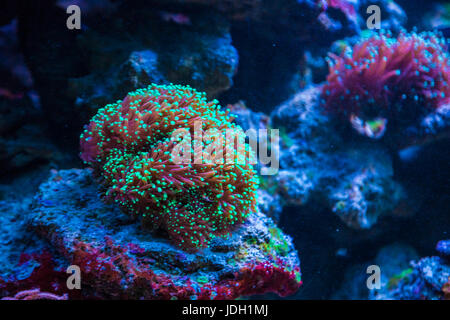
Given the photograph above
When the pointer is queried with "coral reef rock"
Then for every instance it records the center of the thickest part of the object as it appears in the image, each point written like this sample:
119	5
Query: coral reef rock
426	279
392	259
130	48
119	259
27	263
352	176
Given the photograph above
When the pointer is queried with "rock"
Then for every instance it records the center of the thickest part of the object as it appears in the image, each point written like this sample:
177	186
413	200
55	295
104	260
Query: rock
349	176
247	118
392	259
236	10
340	16
26	261
393	17
15	81
426	279
443	247
204	59
418	12
295	186
270	204
25	148
283	31
437	18
14	238
431	128
119	259
132	47
368	193
23	143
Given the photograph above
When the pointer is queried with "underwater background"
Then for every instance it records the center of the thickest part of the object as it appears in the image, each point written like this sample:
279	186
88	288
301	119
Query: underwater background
90	92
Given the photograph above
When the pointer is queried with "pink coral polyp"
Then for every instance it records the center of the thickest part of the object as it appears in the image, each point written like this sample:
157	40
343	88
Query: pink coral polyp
393	77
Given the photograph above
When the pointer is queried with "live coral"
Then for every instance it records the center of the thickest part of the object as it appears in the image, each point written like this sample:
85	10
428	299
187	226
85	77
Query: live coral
129	144
395	78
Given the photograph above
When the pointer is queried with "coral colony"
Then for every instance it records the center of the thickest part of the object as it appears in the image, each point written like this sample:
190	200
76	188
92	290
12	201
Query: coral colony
129	144
388	79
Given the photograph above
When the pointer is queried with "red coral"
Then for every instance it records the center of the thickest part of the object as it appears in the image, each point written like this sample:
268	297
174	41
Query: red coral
130	145
398	79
